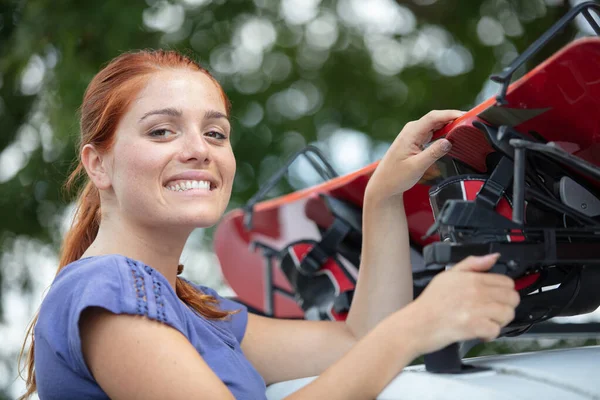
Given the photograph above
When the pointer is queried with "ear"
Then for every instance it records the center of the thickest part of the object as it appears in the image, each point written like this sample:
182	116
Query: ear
95	164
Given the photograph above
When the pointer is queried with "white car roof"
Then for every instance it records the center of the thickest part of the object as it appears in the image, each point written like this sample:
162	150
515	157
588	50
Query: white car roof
572	374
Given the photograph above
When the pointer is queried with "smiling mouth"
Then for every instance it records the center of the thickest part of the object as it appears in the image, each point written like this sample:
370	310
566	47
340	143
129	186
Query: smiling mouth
185	185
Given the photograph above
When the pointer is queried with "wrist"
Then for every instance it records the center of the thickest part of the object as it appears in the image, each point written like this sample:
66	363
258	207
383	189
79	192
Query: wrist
374	199
406	331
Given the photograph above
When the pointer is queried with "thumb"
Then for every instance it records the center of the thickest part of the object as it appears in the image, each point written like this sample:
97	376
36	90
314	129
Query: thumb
477	263
432	153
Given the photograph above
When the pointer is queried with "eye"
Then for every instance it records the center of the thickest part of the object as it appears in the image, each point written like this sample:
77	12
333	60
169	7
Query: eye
161	133
216	135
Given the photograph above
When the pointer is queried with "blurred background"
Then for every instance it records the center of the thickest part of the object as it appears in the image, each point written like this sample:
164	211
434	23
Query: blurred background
345	75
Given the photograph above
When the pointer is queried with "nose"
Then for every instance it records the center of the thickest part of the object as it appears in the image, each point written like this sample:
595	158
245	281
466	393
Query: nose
194	148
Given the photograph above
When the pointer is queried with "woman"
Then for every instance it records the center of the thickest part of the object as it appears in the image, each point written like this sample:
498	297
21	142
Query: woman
118	322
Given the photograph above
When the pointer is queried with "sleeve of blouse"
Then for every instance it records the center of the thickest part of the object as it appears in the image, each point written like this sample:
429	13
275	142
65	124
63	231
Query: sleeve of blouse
237	322
121	286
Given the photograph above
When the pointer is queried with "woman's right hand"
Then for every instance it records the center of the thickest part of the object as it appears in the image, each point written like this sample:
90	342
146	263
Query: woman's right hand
464	303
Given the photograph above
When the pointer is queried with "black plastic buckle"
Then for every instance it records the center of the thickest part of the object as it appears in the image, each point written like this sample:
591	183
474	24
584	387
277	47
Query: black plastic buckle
494	187
325	248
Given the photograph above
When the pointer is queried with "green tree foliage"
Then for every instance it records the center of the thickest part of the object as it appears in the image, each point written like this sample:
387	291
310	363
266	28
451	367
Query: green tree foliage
295	70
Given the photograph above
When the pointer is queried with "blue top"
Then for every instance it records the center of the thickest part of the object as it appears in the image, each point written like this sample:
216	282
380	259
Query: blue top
125	286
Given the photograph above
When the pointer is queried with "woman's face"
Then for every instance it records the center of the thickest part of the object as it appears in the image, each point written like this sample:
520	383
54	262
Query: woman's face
172	164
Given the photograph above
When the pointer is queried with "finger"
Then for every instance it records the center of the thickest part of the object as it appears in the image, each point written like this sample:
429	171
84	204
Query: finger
501	314
498	280
487	330
428	137
477	263
433	121
498	295
432	153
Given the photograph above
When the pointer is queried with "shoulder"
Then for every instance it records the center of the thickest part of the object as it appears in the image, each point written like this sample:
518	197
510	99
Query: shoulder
90	278
114	283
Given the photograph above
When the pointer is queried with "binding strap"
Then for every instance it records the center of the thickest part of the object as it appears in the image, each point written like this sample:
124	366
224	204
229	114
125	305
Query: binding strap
494	187
326	248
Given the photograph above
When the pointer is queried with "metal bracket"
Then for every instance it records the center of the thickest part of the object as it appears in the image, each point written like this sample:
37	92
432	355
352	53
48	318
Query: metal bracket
324	169
269	253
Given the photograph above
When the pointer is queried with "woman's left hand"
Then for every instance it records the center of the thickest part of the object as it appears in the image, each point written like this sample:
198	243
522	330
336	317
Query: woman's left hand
406	161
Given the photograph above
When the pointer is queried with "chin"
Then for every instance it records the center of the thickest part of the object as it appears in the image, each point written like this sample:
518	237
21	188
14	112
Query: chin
199	221
192	216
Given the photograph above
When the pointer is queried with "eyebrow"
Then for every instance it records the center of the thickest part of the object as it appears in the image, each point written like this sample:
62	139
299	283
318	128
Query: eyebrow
163	111
210	114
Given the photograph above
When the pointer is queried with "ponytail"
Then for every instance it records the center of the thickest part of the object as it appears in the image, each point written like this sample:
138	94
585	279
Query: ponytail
198	301
85	226
204	304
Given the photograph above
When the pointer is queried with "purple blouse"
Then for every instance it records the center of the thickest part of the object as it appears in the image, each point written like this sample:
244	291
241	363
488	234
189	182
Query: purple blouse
125	286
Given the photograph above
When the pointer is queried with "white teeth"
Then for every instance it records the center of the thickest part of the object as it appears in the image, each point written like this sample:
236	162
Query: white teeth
188	185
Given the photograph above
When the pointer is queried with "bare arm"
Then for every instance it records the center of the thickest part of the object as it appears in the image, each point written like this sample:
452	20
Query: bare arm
282	350
136	358
385	276
385	280
364	371
133	357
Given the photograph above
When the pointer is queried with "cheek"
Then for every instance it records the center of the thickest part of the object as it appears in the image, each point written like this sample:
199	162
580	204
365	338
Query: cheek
135	167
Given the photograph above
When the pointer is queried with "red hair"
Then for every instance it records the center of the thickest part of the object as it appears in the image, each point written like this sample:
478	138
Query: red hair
106	100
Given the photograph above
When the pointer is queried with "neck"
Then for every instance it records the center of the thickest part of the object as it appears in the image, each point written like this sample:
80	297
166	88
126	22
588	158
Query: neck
157	247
